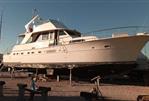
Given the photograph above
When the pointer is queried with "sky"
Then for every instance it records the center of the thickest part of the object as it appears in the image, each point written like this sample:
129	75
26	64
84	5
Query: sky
82	15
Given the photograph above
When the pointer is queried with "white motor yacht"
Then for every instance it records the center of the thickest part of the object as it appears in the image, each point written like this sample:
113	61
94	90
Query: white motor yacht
50	44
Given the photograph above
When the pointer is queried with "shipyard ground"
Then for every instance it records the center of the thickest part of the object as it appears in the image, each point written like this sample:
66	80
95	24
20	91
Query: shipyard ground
63	91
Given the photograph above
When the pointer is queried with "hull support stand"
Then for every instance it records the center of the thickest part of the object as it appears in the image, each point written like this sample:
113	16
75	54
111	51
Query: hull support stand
70	74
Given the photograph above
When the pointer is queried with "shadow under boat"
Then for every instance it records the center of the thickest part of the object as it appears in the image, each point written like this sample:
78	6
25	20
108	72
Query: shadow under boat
89	72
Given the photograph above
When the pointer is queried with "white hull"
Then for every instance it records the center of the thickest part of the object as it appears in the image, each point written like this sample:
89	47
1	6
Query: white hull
110	50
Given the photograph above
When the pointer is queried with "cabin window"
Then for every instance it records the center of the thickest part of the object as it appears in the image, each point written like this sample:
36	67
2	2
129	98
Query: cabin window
79	40
21	53
13	53
51	35
32	52
62	33
28	52
45	37
33	38
39	37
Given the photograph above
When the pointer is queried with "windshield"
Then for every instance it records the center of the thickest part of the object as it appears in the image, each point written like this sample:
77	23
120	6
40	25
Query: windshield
20	38
73	33
58	24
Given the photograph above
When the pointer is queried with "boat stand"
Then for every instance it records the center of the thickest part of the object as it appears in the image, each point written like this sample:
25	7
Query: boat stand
70	74
12	72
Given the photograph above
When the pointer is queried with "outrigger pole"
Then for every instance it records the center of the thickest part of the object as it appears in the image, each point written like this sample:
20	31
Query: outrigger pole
114	28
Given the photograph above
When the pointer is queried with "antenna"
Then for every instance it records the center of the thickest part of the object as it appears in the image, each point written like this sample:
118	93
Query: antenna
34	12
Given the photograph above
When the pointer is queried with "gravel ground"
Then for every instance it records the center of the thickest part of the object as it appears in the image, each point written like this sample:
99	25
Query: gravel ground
62	91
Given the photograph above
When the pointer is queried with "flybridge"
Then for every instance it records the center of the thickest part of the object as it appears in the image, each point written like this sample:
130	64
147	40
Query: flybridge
37	23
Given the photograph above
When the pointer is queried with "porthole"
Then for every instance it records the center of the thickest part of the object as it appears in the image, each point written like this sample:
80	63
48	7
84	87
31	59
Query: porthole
107	46
39	51
93	47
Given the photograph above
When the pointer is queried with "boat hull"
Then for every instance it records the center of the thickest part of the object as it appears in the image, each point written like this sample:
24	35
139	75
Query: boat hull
104	51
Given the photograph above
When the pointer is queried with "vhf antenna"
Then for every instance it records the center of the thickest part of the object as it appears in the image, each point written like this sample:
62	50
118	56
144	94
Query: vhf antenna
34	12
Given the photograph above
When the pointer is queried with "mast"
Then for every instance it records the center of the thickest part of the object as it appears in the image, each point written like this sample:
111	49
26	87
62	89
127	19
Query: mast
1	20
